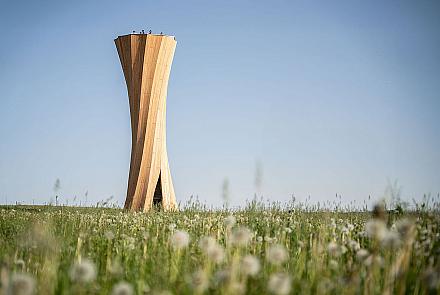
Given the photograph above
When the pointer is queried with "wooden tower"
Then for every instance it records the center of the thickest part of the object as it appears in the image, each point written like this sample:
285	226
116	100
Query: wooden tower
146	61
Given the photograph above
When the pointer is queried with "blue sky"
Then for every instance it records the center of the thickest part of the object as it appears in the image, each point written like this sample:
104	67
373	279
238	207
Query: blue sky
329	96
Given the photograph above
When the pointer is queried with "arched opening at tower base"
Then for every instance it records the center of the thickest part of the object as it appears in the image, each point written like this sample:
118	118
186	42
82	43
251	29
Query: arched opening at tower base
157	197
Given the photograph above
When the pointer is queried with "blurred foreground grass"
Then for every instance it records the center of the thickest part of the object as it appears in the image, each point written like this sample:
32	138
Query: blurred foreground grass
256	250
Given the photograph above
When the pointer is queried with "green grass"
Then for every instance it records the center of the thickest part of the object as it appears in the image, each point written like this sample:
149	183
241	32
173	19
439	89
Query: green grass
323	247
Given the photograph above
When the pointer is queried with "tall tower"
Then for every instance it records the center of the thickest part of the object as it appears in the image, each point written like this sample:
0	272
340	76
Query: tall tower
146	61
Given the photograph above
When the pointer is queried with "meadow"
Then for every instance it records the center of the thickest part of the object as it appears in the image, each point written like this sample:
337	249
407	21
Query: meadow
259	249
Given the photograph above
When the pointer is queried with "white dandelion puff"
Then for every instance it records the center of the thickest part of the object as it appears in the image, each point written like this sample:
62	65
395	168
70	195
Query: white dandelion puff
362	254
21	284
230	221
376	229
279	284
276	255
83	272
199	281
122	288
109	235
241	236
179	240
250	265
334	249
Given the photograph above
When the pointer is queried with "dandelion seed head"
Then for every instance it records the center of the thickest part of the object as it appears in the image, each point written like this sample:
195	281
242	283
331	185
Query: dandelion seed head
199	281
179	240
277	255
109	235
241	236
83	272
21	284
230	221
279	284
122	288
362	254
250	265
334	249
376	229
391	239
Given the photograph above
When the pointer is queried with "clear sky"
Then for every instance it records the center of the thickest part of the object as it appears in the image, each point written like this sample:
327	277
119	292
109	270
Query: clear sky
328	96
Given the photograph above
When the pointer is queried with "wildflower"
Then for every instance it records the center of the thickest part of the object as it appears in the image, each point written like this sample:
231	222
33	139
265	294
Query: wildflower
206	242
259	239
376	229
279	284
391	239
334	249
353	245
276	255
122	288
404	227
199	281
172	226
241	236
250	265
83	272
21	284
145	235
362	254
374	259
109	235
230	221
179	240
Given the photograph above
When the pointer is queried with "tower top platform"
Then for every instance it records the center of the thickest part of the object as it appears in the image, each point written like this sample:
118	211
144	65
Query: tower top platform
146	34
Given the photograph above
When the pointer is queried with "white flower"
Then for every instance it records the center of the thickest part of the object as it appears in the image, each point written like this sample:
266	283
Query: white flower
230	221
172	226
279	284
259	239
206	242
376	229
83	272
362	254
250	265
21	284
241	236
391	239
122	288
276	254
404	227
334	249
212	249
109	235
199	281
179	240
353	245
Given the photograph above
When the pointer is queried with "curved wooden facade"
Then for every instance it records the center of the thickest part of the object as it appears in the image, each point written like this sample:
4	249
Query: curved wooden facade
146	61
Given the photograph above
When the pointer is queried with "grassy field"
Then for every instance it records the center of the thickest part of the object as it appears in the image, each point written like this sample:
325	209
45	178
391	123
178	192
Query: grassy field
257	250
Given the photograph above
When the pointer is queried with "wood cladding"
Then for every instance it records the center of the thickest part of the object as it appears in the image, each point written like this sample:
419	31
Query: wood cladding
146	62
